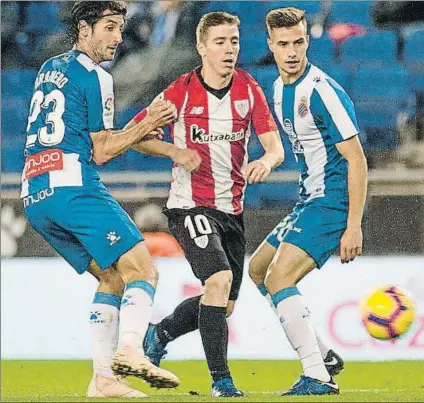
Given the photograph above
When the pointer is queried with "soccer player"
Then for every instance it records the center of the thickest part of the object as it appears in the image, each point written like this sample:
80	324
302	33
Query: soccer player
69	131
217	104
319	118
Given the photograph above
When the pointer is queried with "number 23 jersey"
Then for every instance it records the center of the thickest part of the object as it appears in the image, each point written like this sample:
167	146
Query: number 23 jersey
72	97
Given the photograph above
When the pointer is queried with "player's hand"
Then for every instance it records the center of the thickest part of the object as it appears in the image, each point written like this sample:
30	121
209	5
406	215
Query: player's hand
187	158
351	244
155	134
161	113
257	171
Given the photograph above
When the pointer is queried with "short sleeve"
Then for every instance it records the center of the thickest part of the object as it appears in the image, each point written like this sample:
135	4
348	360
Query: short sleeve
262	119
100	101
333	112
174	93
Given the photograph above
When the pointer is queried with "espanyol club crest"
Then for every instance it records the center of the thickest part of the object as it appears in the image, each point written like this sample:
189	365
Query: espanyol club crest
242	107
302	109
108	106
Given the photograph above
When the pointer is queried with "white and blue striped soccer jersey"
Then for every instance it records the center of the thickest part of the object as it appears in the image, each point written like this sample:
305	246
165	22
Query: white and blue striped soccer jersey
316	114
72	97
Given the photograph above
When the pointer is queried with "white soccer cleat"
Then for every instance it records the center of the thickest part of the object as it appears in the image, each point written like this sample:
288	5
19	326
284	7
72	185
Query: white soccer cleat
128	361
101	386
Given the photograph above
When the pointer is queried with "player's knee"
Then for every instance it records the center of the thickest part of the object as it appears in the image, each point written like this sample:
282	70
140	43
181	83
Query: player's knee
256	271
277	278
137	264
219	283
111	282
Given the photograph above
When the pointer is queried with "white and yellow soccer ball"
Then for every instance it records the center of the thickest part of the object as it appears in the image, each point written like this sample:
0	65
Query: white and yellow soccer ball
387	313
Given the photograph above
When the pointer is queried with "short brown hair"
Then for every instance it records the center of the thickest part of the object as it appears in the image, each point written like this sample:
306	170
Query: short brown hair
285	18
214	19
92	12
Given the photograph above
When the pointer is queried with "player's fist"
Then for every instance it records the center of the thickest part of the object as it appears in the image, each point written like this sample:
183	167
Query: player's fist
187	158
161	113
351	244
257	171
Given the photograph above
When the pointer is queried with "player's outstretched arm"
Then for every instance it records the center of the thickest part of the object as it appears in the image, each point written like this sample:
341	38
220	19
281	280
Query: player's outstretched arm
258	170
187	158
108	144
351	242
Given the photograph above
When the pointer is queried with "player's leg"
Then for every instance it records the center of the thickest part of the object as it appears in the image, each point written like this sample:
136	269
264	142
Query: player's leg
113	239
258	266
199	232
105	308
104	323
307	244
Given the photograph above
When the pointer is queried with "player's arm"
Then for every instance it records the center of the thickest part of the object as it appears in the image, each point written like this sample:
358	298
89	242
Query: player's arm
337	117
259	170
108	144
269	137
351	242
154	146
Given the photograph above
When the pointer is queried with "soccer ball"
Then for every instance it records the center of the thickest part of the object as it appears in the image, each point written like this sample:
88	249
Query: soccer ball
387	313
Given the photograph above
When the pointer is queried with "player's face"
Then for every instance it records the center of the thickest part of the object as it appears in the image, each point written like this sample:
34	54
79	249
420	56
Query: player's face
289	47
220	49
105	37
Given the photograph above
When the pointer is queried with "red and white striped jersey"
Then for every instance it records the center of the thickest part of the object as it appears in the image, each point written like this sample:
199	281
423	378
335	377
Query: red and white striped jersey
219	130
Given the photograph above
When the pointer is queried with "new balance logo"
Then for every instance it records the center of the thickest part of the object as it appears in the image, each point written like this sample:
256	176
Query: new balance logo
197	110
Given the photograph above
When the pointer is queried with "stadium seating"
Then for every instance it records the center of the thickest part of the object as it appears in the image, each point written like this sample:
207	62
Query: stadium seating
372	68
413	43
374	48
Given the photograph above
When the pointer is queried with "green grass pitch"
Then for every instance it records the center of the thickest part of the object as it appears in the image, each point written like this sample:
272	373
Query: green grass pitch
263	381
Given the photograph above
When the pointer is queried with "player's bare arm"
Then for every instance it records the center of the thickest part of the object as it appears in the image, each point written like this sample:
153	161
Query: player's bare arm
351	241
154	146
187	157
258	170
108	144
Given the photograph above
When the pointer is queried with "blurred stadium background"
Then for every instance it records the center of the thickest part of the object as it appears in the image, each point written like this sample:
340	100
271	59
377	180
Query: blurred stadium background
375	50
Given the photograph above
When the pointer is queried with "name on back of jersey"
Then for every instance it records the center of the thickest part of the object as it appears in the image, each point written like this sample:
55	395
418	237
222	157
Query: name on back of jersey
52	76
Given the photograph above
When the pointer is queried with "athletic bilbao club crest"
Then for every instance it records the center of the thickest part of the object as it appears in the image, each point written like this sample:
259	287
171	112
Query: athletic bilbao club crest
302	109
242	107
202	241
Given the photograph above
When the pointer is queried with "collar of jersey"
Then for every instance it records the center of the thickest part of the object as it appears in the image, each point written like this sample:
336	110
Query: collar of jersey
300	79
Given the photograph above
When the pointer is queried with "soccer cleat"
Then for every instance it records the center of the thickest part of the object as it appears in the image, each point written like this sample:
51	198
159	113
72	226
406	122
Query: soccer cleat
128	361
334	363
310	386
101	386
225	388
153	349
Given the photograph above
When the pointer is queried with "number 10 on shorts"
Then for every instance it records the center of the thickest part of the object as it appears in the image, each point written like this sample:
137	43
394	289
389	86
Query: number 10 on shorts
199	228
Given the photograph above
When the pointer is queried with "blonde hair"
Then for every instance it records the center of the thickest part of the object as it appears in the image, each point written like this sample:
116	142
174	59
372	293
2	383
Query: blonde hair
285	18
214	19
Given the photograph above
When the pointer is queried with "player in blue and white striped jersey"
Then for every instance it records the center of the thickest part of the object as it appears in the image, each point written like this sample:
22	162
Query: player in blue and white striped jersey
70	131
319	118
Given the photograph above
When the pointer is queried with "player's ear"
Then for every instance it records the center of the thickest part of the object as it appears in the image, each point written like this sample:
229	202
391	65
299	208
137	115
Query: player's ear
268	40
307	42
83	27
201	49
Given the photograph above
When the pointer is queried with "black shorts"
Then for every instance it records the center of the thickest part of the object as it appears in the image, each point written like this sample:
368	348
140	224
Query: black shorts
212	241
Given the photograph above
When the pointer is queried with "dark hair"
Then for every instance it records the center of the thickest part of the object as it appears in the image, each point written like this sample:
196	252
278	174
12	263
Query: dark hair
214	19
285	18
92	12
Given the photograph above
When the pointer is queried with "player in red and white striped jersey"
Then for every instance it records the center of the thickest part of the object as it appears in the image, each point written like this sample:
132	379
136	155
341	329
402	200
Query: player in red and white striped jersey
217	106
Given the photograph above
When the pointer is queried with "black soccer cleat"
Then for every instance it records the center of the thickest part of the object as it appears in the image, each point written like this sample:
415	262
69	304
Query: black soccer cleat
334	363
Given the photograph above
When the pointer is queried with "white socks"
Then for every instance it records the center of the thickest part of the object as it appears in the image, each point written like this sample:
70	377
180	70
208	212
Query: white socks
322	347
136	312
104	323
294	318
